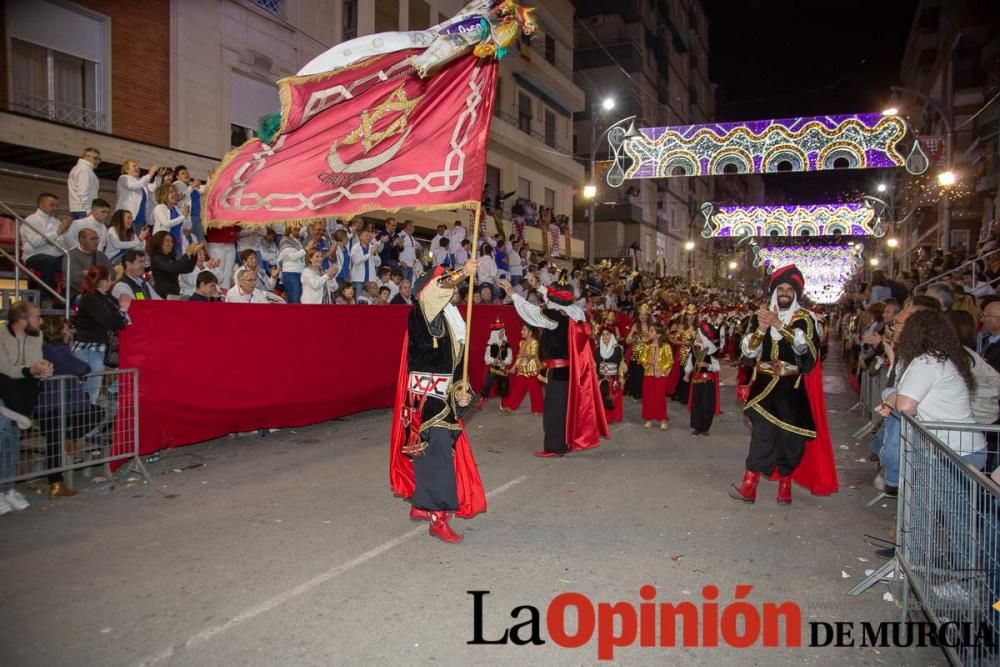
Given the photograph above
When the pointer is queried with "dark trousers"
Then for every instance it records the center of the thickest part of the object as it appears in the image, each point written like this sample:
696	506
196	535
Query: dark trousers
633	383
47	267
554	415
772	447
682	392
77	423
434	472
702	406
502	385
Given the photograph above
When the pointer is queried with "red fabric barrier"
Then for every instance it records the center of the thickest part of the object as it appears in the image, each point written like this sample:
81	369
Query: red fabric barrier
209	369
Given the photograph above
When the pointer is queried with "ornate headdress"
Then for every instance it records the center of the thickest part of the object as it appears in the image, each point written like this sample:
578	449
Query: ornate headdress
788	275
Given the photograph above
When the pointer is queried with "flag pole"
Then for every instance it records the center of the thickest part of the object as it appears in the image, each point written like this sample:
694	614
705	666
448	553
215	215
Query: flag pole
469	298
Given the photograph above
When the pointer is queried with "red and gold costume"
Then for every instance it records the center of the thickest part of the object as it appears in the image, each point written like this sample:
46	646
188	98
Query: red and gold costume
526	378
657	362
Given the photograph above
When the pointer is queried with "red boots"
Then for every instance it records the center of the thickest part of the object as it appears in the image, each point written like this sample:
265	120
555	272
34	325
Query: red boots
440	528
747	490
417	514
482	403
785	491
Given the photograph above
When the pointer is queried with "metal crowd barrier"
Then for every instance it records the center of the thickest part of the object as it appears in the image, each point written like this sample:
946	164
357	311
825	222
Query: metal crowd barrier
69	432
872	386
948	539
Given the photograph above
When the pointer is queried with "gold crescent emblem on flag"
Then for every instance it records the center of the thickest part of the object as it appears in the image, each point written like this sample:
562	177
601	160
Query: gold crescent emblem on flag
366	134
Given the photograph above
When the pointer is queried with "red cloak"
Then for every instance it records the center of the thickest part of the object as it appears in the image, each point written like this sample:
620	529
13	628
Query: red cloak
817	470
586	422
471	495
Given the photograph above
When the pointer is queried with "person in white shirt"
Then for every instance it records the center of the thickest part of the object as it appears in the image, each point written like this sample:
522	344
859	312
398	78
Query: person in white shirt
122	237
100	211
409	250
291	260
441	232
82	183
248	262
515	265
133	191
462	252
317	284
166	215
457	235
441	254
44	238
364	261
544	277
189	281
245	292
486	273
389	279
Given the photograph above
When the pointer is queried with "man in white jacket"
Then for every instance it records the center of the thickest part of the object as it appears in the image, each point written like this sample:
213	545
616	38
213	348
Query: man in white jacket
82	183
43	239
364	261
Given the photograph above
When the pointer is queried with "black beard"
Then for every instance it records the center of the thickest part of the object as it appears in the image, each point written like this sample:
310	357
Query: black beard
31	331
784	302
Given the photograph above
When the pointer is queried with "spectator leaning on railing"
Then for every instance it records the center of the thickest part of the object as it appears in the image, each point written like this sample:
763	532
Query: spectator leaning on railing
21	361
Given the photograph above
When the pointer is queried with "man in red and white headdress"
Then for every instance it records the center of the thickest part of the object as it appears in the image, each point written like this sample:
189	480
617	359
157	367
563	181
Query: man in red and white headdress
786	407
498	358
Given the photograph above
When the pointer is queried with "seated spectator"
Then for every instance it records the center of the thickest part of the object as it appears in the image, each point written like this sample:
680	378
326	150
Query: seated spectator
369	296
188	281
133	192
64	401
346	295
85	256
245	290
266	281
100	211
133	281
206	287
99	315
485	294
317	283
166	267
989	343
42	240
405	295
121	237
383	296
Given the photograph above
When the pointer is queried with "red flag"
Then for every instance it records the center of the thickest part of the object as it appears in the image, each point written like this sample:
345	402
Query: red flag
373	135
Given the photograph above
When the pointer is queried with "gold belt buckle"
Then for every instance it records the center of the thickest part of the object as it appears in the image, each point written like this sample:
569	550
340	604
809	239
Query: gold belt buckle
779	367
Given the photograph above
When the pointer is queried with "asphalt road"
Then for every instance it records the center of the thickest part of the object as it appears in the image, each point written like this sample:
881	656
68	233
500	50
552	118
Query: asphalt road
291	550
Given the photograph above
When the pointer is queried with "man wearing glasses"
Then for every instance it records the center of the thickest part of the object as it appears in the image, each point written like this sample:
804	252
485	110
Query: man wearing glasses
83	184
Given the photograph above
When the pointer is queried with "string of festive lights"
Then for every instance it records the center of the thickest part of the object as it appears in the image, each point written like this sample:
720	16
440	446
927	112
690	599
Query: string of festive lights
857	219
826	269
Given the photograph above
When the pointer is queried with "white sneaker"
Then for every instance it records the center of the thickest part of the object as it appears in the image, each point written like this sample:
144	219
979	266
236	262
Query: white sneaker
5	507
879	481
16	500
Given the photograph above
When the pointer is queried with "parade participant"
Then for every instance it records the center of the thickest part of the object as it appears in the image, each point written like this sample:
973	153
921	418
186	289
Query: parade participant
498	358
657	360
573	416
682	343
611	371
528	375
641	331
430	461
702	371
786	407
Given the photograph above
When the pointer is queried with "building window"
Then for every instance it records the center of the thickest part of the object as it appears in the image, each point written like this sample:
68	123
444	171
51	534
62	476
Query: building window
420	15
550	198
276	7
386	15
58	57
350	19
524	112
550	49
550	128
249	100
524	188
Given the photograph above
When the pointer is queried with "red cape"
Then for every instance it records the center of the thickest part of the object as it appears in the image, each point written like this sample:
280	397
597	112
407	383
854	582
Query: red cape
471	495
718	402
586	422
817	470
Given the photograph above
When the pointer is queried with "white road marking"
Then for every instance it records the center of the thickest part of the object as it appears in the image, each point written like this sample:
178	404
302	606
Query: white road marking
304	587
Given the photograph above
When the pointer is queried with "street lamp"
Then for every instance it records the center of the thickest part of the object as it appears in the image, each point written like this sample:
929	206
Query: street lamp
873	261
882	187
733	265
947	178
590	191
689	246
607	104
891	111
892	243
949	123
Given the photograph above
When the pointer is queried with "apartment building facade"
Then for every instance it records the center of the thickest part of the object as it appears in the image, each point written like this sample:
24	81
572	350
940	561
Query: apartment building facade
173	82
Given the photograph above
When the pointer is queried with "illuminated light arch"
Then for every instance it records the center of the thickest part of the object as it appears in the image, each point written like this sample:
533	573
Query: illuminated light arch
680	159
853	219
868	141
841	149
731	156
826	268
785	153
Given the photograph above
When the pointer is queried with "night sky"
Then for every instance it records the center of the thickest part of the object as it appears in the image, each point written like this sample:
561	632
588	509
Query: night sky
789	58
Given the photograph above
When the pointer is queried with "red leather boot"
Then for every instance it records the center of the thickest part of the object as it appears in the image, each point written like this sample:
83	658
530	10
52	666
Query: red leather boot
482	403
785	491
440	529
417	514
747	490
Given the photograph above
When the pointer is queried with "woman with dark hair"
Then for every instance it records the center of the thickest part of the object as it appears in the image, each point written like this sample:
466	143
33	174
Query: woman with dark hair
935	382
122	236
63	398
98	316
984	397
166	268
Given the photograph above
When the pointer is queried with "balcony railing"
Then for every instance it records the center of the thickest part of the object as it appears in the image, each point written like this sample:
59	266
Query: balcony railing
538	46
513	120
67	114
276	7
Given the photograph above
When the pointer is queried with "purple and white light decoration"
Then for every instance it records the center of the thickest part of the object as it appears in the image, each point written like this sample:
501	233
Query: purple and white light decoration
854	141
792	220
826	269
